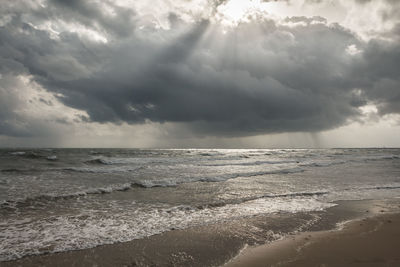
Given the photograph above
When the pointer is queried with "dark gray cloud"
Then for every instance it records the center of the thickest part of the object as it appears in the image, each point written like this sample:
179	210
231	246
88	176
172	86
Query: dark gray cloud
379	74
8	104
260	77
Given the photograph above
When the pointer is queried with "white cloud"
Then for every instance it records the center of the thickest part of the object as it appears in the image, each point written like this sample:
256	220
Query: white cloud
353	50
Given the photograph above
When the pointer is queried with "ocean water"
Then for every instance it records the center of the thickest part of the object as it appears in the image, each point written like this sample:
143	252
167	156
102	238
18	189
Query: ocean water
55	200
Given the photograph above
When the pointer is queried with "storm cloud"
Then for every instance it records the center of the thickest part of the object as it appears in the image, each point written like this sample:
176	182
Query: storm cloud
297	74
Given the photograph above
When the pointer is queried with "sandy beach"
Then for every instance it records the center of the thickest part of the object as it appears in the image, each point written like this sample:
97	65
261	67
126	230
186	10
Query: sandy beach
370	238
373	241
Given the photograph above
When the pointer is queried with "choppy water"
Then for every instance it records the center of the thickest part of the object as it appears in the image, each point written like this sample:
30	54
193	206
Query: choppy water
63	199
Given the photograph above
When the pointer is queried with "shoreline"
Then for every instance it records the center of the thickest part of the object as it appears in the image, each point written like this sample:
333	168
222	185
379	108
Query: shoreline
371	241
217	244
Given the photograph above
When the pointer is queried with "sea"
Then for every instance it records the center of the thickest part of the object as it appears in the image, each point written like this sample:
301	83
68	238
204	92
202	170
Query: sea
54	200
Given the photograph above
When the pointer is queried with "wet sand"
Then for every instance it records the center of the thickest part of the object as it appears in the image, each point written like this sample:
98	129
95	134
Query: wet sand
373	241
216	244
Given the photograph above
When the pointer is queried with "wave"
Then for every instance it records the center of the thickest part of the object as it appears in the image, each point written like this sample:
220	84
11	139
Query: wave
54	197
156	183
30	201
206	154
129	161
382	157
211	153
385	187
11	170
169	183
174	182
75	169
266	196
93	169
27	154
253	163
221	178
33	155
339	162
381	187
103	170
139	183
323	164
52	157
100	161
366	190
89	229
251	174
18	153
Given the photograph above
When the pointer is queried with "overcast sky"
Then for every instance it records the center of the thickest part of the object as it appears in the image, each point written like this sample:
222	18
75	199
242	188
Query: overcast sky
200	73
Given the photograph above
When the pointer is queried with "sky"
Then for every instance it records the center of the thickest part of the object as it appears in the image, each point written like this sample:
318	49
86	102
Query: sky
200	73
